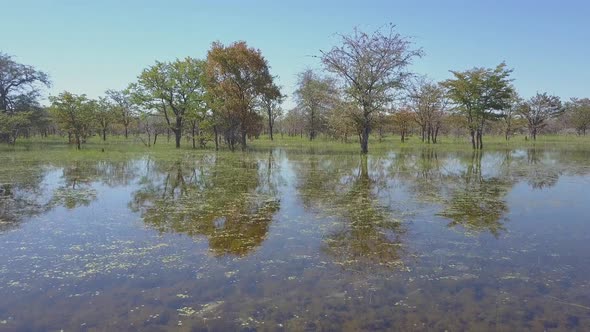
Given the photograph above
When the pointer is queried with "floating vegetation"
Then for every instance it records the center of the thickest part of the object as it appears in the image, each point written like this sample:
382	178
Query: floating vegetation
288	240
74	197
186	311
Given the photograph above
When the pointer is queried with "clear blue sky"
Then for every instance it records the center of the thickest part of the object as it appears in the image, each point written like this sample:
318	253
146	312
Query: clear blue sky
90	46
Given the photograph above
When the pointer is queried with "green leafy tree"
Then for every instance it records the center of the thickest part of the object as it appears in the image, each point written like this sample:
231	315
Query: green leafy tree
196	122
173	89
315	96
74	114
271	103
578	111
479	94
105	114
122	103
509	116
10	125
372	67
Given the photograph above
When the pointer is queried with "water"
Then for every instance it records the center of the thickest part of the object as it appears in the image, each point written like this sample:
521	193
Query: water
293	239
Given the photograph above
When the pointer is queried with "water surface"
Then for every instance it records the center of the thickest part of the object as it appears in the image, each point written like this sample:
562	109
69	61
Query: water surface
296	239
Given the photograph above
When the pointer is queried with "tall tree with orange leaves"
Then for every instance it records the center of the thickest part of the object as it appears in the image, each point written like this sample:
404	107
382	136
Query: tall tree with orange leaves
237	80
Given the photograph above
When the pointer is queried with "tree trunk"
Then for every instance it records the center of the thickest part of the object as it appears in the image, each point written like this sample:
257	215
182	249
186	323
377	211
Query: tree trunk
364	139
480	139
243	136
4	138
178	137
155	138
104	135
270	123
193	135
472	133
78	141
435	137
126	131
216	138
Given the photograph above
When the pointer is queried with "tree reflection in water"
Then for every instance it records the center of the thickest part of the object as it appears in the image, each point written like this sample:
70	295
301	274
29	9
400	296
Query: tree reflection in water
231	200
366	231
478	204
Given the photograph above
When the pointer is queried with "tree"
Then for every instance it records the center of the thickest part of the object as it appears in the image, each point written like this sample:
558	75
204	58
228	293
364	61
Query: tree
341	127
538	109
172	88
20	87
402	121
10	125
478	94
74	114
315	96
578	111
271	103
105	114
371	67
237	77
509	116
121	101
293	122
152	125
18	80
195	119
427	100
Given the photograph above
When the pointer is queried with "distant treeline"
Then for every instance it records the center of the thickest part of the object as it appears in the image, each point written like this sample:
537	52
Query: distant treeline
231	96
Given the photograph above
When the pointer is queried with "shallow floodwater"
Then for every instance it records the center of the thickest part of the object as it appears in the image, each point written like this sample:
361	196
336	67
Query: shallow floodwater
292	239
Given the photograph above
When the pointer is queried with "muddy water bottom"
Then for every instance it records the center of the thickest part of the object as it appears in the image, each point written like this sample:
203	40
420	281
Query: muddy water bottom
296	240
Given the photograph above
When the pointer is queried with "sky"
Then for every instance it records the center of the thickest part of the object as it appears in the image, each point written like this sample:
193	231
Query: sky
91	46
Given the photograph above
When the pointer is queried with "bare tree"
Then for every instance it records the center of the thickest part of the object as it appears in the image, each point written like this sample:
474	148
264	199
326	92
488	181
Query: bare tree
20	87
537	110
427	100
372	67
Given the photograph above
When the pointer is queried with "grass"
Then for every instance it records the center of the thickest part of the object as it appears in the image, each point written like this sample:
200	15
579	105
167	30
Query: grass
119	145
